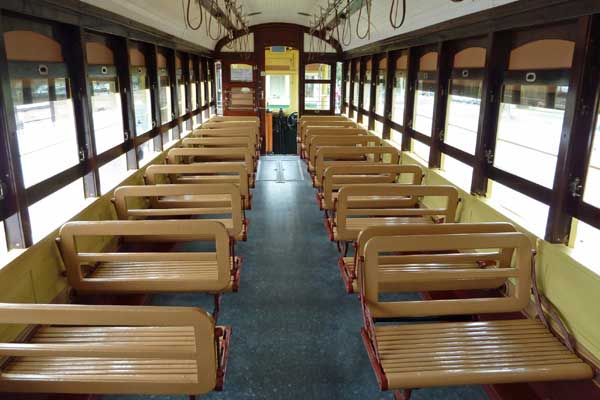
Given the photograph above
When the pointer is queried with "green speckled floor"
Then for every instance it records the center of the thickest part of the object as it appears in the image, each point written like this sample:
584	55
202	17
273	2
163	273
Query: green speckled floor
295	330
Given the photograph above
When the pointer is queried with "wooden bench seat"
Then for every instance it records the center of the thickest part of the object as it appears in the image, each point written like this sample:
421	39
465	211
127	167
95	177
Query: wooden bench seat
219	202
117	269
420	355
214	155
334	177
344	156
230	141
202	173
331	131
113	350
317	141
239	132
343	123
402	207
388	265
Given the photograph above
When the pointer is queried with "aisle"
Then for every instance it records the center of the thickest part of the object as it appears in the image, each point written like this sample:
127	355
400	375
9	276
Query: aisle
295	330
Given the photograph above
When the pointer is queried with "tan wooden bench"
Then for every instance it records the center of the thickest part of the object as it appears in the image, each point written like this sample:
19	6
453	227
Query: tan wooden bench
314	131
508	350
117	269
389	204
323	118
87	349
220	202
337	176
251	134
339	124
328	156
318	141
202	173
350	266
225	118
232	141
219	154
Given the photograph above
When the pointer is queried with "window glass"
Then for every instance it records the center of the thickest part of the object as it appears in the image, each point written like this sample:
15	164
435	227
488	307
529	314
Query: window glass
181	92
113	173
164	96
356	83
462	116
202	97
45	127
380	89
396	137
530	212
106	112
317	72
193	90
338	88
278	92
316	96
424	101
421	150
219	83
458	172
3	244
586	238
146	152
241	73
379	128
529	128
398	97
347	83
65	203
591	194
367	87
141	100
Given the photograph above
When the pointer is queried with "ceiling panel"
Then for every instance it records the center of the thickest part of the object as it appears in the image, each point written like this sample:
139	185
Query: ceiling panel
167	15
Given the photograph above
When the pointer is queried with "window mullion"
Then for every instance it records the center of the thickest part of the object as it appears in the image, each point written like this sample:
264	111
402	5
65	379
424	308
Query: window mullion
409	100
444	68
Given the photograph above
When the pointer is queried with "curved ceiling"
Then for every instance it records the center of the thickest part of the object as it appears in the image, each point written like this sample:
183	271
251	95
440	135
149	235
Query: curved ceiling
168	15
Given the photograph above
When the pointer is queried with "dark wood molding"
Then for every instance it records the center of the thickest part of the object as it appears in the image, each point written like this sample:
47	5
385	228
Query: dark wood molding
444	68
577	132
518	14
351	94
389	93
174	82
409	97
361	88
373	92
151	52
496	60
89	17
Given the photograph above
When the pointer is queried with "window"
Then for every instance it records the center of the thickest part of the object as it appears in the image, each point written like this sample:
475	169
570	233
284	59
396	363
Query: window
316	96
113	173
347	83
107	113
591	194
421	150
3	243
240	73
193	87
146	152
44	113
180	87
464	99
65	203
141	91
379	128
529	212
209	79
317	72
164	90
356	83
399	91
278	92
317	87
367	86
458	172
425	94
396	137
338	88
532	110
381	86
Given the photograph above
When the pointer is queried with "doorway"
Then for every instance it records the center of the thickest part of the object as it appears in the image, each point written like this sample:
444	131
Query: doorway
281	98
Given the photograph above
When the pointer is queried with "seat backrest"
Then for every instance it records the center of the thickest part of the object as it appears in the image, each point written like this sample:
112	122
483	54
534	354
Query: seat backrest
225	118
74	239
316	141
446	245
340	124
337	176
176	201
214	154
339	155
201	173
399	202
231	141
228	132
254	126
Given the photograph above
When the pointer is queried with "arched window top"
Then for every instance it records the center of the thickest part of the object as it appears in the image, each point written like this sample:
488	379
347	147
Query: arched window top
31	46
317	71
177	61
428	61
161	60
99	54
369	65
543	54
136	57
472	57
383	63
402	62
